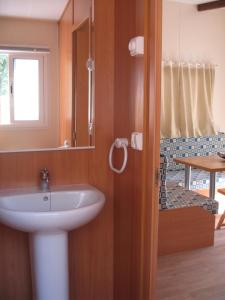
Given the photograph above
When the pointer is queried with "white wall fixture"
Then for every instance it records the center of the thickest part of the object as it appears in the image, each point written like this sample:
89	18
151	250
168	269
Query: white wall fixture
48	216
119	143
137	140
136	46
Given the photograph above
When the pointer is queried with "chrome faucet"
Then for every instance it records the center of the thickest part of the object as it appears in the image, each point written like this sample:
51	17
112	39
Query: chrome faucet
44	175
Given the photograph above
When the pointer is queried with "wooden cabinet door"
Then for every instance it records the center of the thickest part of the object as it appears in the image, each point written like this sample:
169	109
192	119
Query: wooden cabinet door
81	10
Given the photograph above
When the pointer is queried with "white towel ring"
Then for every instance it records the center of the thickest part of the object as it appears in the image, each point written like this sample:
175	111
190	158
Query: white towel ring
119	143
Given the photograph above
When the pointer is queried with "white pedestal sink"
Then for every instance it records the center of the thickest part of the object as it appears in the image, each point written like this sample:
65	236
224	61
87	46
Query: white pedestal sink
48	216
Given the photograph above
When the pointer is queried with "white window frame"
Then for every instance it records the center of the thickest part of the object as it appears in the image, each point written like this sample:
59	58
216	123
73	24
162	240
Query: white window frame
43	107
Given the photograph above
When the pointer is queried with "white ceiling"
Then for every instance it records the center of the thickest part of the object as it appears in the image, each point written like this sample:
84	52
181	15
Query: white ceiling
193	1
35	9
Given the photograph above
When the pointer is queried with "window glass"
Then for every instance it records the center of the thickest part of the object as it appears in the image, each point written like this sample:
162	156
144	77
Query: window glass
26	89
4	90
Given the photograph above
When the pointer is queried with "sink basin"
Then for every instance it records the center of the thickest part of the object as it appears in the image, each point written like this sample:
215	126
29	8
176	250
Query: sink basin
64	208
48	216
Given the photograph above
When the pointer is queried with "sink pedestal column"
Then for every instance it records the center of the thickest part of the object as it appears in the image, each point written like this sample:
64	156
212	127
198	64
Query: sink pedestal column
49	261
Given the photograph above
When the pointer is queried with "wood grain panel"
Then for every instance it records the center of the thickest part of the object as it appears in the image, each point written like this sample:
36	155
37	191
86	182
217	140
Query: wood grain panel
222	191
65	48
208	163
15	273
185	229
128	117
22	169
123	197
81	11
152	99
81	55
211	5
136	108
96	261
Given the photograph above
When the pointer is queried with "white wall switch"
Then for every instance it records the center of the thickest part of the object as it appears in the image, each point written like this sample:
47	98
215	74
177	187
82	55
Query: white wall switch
137	140
136	46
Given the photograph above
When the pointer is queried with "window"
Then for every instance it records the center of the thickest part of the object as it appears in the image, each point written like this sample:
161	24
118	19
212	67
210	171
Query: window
22	89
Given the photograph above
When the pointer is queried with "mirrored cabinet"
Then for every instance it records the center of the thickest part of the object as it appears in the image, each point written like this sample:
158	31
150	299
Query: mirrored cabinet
77	76
47	82
83	79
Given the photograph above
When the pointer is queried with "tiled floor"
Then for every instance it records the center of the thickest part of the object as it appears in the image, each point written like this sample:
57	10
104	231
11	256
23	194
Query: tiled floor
194	275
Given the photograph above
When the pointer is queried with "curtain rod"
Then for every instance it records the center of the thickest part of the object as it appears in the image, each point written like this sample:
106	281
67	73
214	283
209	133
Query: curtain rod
24	49
188	63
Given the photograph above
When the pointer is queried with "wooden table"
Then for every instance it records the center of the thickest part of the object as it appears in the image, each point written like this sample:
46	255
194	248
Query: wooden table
221	191
211	164
220	223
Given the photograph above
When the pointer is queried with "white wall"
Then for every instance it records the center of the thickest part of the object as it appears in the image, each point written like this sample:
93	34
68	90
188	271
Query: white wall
25	32
189	35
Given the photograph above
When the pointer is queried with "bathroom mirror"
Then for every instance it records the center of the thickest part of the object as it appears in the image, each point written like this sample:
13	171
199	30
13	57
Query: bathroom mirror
83	78
32	113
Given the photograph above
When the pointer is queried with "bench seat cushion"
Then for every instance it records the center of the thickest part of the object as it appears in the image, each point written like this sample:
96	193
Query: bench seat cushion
199	178
179	197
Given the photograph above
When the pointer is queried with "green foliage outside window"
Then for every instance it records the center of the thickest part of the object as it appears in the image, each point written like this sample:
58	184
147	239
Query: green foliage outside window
4	75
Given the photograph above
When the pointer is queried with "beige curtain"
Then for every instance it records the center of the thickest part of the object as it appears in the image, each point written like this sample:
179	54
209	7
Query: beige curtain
187	98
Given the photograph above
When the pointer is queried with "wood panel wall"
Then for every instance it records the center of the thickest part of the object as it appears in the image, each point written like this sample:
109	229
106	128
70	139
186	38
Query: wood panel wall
81	11
91	247
152	100
65	73
128	117
81	55
94	274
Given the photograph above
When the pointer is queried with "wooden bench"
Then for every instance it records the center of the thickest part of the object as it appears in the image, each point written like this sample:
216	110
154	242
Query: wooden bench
186	219
184	229
222	217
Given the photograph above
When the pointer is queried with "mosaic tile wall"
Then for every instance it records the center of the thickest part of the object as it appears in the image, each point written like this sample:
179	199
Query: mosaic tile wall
192	146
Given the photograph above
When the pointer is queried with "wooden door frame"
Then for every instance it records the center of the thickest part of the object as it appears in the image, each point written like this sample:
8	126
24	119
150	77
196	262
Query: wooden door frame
152	96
